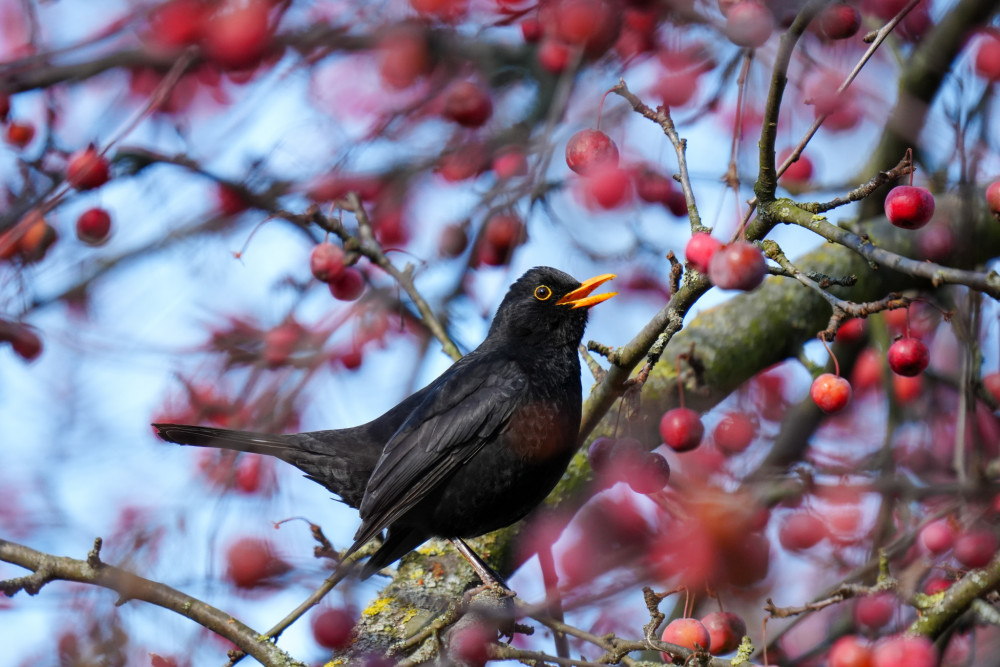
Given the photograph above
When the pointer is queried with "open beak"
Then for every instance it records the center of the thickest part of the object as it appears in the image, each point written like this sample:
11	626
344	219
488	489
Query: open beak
581	297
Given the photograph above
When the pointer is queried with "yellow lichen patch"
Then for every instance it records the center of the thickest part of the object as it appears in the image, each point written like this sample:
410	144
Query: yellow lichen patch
431	549
377	607
336	663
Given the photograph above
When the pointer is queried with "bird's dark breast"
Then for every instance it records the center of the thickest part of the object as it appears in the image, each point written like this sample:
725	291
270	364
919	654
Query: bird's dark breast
511	476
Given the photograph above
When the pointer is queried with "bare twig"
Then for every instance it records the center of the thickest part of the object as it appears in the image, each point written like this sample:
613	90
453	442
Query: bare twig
47	568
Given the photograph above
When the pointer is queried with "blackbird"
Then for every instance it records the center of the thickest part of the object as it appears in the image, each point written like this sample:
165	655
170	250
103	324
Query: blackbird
475	450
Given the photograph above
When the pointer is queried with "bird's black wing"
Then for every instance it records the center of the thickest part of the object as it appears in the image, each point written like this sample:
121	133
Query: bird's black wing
469	406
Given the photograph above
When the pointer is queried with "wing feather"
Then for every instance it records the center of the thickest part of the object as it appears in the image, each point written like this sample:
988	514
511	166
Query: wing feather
458	417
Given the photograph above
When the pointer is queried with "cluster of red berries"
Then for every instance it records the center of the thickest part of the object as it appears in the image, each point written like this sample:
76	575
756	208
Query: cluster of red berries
625	459
718	633
605	184
737	265
327	264
232	33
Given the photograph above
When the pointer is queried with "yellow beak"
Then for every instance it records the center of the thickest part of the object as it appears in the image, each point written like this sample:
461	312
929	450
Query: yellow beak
581	298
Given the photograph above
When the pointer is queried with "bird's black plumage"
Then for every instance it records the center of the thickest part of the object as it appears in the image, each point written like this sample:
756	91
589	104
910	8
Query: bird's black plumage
473	451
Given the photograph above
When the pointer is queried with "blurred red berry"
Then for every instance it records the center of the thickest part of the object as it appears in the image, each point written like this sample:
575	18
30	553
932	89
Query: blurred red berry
87	169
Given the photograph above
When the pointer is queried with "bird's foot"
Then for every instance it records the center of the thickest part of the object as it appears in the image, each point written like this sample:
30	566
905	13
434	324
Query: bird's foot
498	588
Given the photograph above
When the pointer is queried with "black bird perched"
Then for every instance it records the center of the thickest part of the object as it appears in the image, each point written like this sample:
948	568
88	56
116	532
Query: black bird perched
475	450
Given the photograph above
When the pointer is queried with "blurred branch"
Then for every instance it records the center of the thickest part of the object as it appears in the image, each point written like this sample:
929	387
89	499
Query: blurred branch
47	568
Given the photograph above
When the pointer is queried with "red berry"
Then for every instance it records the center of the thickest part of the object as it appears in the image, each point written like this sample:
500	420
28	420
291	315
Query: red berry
681	429
249	473
801	530
403	56
936	242
938	536
592	25
588	150
87	169
326	262
677	203
553	55
850	651
238	33
975	548
874	611
532	30
798	172
677	87
20	135
467	104
23	340
332	628
348	286
177	23
470	645
909	206
700	249
908	356
988	58
907	389
908	650
993	196
652	186
840	21
281	342
852	330
161	661
738	265
749	23
725	630
93	226
251	563
867	372
443	10
991	383
503	232
935	585
735	432
454	240
30	239
229	200
510	162
599	453
650	476
607	187
686	632
461	164
830	392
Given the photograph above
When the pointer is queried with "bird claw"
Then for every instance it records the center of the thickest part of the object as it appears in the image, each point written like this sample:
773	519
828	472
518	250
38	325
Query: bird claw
498	588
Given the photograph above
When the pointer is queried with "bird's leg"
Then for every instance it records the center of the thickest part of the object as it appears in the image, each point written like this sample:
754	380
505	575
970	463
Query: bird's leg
486	574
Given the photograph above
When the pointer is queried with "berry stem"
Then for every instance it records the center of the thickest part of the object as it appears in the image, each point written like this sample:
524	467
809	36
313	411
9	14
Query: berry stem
680	385
600	107
836	364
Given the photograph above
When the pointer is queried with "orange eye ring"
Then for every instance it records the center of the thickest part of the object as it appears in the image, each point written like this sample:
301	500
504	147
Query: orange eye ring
543	293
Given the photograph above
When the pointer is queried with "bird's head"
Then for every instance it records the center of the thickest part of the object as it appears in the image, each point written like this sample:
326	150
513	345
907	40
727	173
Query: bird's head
548	306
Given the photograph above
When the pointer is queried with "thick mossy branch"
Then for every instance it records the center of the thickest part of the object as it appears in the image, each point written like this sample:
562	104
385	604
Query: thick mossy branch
937	617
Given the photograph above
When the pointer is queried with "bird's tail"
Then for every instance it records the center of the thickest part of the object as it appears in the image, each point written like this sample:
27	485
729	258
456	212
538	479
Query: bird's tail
240	441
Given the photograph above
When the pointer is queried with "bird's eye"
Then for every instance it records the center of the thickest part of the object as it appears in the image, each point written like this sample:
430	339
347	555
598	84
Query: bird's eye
542	292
